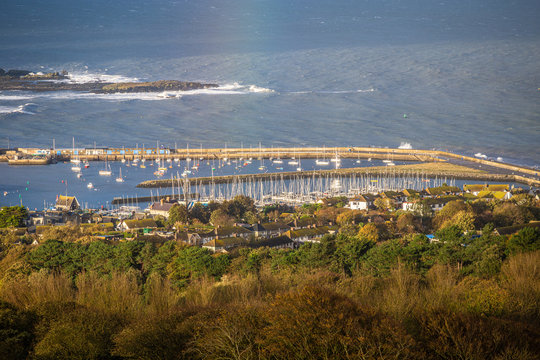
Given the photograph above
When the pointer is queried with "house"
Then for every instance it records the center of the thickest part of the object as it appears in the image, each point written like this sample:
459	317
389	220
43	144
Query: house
395	196
410	194
443	190
269	229
477	188
234	231
67	203
161	208
225	244
498	195
362	202
302	223
278	242
189	237
435	203
45	218
131	225
312	234
509	230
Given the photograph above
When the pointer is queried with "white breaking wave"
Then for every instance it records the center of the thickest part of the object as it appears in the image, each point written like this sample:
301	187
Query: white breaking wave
22	109
405	145
82	78
481	156
226	89
15	97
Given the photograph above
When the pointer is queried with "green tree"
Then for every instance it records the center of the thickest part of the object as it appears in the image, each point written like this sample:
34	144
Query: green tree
194	262
350	251
12	216
200	212
527	239
178	214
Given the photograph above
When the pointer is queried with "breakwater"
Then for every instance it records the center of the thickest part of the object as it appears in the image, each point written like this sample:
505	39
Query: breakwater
354	152
427	170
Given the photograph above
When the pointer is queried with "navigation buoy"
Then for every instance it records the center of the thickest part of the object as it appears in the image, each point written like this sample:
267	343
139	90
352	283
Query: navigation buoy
405	116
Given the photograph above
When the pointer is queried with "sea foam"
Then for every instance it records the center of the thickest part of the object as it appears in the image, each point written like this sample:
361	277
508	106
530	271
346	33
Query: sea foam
22	109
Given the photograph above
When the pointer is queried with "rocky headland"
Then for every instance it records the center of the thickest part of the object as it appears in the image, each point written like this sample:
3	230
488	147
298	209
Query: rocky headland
30	81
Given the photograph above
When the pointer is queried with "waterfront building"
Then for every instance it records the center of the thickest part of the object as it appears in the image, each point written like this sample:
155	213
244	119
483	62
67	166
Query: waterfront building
67	203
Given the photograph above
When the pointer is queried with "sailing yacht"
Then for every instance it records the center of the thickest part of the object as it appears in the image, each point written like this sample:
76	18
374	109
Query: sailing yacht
278	160
107	171
261	167
120	178
293	161
75	160
323	161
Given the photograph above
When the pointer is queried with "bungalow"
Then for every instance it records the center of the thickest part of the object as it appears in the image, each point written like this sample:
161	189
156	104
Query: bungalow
362	202
435	204
443	190
498	195
477	188
67	203
131	225
313	234
509	230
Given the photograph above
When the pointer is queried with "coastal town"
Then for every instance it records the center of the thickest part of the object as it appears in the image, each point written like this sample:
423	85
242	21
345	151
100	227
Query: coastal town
209	225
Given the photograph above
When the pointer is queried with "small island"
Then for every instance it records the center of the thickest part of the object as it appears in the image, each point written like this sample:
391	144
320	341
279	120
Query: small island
30	81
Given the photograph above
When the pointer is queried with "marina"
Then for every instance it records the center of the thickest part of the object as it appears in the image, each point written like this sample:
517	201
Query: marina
223	178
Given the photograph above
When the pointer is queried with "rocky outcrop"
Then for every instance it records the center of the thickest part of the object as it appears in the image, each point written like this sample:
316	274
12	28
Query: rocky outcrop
26	80
17	73
153	86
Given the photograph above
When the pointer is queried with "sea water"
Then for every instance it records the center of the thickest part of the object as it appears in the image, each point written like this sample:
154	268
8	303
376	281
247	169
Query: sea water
459	76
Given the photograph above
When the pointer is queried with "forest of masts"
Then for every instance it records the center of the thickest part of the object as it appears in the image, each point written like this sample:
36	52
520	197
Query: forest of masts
300	190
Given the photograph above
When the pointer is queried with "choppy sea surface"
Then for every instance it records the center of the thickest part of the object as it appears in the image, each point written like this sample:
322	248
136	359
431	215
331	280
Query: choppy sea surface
462	76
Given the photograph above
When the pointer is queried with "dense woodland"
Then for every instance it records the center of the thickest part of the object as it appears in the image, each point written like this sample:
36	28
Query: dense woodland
376	289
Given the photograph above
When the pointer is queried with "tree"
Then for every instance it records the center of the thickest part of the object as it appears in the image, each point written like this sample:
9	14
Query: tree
78	334
178	214
317	323
385	204
16	332
508	214
448	212
405	223
350	251
154	338
12	216
220	217
527	239
373	232
200	212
